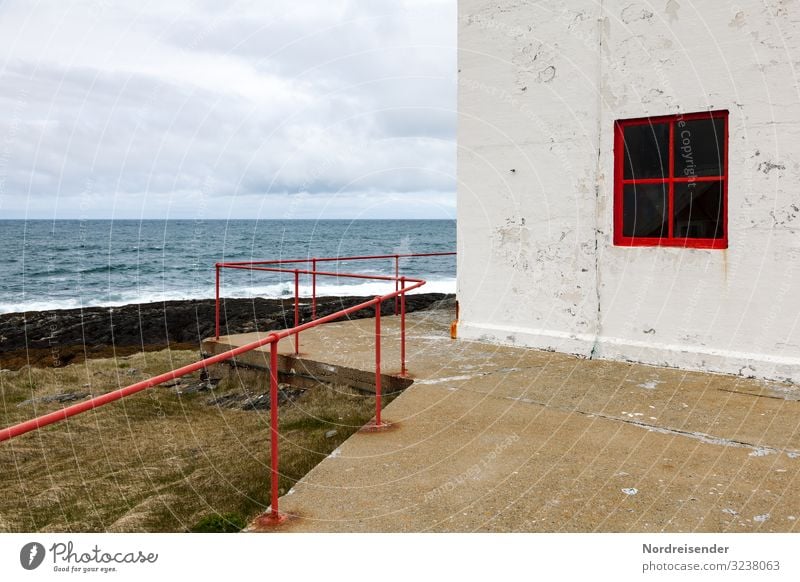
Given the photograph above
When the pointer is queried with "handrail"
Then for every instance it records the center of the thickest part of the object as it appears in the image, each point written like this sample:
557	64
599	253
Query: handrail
260	266
401	288
339	259
306	272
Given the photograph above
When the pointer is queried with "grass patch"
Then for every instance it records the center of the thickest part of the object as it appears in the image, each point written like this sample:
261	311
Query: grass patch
229	523
158	461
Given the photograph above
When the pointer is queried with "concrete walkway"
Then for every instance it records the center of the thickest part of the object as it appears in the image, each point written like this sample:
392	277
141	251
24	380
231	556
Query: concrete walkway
492	438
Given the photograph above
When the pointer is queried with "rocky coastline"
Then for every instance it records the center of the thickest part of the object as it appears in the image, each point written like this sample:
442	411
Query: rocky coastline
59	337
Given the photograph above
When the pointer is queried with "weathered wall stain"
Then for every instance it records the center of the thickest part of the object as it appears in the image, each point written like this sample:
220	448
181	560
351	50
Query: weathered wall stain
547	74
634	12
738	20
672	9
767	167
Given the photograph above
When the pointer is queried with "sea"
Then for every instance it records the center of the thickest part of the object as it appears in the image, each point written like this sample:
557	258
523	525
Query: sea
66	264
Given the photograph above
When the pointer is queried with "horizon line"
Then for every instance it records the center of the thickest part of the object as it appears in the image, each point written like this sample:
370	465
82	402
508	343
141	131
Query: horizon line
219	219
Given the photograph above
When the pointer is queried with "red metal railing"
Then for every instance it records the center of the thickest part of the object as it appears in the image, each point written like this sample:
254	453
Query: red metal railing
254	265
272	339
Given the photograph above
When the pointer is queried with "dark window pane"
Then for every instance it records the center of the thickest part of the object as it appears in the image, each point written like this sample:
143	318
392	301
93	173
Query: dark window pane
644	210
646	151
698	210
699	147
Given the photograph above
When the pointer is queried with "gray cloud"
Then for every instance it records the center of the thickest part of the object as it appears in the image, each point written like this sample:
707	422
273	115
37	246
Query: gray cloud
142	110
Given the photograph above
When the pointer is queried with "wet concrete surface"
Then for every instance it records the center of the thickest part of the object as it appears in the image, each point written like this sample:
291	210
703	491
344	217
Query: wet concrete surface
496	438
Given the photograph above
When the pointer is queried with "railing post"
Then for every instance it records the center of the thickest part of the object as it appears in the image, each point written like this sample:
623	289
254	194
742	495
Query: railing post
274	516
396	282
378	362
402	326
216	305
314	289
296	311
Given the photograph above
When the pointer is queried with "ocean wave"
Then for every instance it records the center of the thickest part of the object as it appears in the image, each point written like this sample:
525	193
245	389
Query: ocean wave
361	289
274	291
106	269
47	271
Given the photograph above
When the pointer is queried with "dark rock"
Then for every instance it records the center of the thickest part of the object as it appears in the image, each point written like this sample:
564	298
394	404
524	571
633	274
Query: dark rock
195	387
244	401
104	332
63	398
260	402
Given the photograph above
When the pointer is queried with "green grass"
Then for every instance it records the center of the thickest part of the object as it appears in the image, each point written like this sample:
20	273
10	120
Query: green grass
156	461
229	523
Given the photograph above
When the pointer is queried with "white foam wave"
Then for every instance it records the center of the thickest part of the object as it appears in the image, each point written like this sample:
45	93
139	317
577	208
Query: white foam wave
362	289
273	291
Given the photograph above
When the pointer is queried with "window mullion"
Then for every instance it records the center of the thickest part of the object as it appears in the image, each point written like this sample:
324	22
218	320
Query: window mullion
671	182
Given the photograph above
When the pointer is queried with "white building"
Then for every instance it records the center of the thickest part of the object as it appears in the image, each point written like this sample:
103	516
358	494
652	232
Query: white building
666	240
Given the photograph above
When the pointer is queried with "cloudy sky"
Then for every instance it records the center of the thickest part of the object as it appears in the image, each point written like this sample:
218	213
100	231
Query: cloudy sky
213	109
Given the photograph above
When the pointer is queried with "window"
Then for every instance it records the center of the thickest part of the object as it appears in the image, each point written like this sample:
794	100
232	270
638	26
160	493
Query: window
671	181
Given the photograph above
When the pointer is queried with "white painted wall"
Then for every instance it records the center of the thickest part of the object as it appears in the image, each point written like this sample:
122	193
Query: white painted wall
540	85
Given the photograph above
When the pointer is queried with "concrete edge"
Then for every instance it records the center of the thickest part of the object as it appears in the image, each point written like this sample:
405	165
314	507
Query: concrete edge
308	368
700	359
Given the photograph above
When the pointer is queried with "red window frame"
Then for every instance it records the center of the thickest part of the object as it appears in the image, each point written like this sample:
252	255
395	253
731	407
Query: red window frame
619	182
